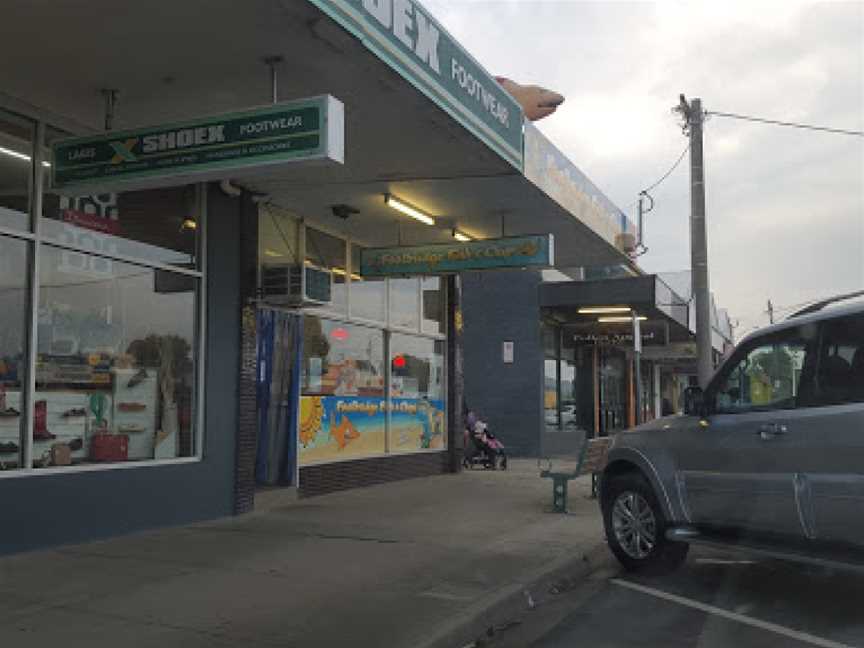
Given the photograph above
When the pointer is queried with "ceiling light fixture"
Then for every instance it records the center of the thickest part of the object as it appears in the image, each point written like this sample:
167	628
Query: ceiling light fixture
462	237
607	320
20	156
341	272
602	310
408	210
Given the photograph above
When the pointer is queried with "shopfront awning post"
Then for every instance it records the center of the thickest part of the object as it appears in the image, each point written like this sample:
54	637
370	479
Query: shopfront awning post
637	359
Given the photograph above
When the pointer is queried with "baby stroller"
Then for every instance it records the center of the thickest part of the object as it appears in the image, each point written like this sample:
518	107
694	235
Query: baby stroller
482	448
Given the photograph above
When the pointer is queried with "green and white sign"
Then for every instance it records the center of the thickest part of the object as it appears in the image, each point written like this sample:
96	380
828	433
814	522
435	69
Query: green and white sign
307	130
404	35
491	254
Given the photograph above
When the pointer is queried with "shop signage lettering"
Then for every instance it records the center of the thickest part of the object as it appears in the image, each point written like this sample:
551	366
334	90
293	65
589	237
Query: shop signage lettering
407	38
652	334
310	130
517	252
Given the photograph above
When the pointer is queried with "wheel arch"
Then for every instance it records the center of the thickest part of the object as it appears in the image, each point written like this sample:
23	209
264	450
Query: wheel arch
631	461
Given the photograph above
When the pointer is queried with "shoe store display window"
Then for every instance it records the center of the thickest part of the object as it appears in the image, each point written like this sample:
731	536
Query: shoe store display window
99	323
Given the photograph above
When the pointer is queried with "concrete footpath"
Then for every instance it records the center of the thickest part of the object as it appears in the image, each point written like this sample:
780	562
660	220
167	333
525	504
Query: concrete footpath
419	563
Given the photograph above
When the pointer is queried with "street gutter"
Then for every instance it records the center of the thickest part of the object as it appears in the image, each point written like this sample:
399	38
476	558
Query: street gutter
482	619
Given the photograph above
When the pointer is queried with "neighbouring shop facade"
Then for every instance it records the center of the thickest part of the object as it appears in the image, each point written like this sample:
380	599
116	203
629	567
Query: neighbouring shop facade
178	338
575	342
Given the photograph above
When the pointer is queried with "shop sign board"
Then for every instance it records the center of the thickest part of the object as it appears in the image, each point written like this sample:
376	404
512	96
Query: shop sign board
405	36
208	148
444	258
553	173
619	334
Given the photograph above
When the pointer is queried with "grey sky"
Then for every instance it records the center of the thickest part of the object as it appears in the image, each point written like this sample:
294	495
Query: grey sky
785	206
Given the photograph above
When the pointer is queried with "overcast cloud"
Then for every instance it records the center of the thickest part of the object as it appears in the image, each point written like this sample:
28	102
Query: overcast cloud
785	206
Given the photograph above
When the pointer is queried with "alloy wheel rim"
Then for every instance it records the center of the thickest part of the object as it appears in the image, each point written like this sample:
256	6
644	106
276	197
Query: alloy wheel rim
634	524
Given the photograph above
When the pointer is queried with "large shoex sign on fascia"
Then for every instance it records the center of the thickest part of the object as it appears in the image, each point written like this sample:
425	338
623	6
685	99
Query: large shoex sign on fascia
405	36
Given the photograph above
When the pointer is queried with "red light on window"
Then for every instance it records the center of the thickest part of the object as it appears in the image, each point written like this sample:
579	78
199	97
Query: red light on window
340	334
399	362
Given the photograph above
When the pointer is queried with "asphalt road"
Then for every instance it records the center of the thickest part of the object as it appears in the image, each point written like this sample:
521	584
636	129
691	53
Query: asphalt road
716	600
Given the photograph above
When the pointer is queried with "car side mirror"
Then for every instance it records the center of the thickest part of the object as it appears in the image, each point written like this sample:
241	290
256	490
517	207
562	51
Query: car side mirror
694	401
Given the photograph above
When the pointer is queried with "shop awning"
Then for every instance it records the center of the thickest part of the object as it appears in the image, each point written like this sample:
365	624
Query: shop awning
582	305
179	60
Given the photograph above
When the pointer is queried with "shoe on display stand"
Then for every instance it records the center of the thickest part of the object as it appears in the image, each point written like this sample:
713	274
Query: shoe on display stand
132	407
5	411
9	448
138	378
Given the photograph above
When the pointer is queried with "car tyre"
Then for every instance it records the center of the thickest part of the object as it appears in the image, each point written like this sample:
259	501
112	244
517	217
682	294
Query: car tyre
636	527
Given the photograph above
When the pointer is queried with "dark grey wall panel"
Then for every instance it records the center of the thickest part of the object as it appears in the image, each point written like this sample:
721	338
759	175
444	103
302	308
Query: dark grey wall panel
501	306
50	509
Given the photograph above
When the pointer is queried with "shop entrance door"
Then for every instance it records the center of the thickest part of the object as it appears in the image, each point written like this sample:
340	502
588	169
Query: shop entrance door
613	390
280	339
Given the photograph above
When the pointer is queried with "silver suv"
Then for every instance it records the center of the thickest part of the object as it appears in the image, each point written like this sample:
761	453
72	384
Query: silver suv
770	457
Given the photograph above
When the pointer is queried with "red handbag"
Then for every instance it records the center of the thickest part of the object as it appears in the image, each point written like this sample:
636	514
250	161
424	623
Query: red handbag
109	447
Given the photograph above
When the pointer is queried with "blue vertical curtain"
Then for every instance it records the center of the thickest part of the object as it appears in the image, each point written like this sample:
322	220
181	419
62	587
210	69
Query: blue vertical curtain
280	353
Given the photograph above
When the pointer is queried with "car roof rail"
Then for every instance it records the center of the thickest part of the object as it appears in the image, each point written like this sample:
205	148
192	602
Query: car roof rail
813	308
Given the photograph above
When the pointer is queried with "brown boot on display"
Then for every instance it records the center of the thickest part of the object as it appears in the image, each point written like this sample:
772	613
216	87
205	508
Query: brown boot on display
40	422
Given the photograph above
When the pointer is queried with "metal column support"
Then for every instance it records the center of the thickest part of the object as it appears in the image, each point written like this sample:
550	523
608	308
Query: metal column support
110	95
273	63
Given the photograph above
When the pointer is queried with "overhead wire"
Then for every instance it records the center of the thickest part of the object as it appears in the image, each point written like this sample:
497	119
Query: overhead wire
669	172
776	122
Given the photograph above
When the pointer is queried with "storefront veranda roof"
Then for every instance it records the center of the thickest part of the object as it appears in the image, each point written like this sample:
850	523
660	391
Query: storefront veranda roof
599	307
171	61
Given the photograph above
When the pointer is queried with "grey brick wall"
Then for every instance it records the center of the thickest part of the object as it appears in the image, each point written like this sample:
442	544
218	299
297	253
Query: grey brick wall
501	306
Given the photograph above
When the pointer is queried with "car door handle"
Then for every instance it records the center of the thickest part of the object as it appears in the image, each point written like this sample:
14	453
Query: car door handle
769	431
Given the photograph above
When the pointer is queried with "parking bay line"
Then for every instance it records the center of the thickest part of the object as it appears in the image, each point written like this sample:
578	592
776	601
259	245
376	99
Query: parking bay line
733	616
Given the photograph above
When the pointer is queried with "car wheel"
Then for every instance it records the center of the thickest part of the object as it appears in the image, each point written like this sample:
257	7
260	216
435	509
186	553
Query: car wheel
636	527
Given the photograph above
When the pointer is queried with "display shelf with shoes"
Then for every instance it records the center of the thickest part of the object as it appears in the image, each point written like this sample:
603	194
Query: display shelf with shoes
60	423
10	430
136	406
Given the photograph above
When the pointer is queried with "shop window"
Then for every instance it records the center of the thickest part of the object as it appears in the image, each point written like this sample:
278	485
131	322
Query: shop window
115	372
16	153
417	418
368	296
551	386
329	252
13	325
568	388
277	237
156	226
342	406
433	304
404	303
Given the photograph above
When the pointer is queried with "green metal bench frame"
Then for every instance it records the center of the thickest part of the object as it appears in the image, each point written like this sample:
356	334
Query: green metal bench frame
560	480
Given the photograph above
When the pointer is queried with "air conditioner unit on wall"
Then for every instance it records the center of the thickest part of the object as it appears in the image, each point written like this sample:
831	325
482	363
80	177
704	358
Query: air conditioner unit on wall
296	285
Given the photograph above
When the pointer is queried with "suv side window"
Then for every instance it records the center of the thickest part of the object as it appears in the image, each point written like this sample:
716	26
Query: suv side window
840	363
771	373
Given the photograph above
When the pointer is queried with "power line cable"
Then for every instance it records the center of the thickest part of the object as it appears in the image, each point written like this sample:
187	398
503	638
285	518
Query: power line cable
775	122
669	172
665	175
